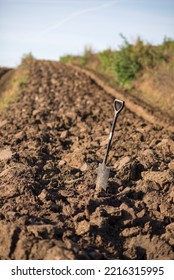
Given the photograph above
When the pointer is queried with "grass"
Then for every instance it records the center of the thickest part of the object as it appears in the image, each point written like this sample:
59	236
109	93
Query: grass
13	82
132	60
66	59
141	69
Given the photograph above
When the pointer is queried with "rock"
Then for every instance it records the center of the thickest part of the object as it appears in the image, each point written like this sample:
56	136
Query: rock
97	220
59	252
104	142
36	112
7	190
76	158
128	214
160	177
64	134
141	213
129	232
157	215
42	231
130	253
43	195
82	227
24	246
84	167
169	235
159	250
148	186
76	249
147	158
71	245
152	186
51	206
122	162
167	209
171	165
148	153
6	153
19	136
104	216
8	235
166	145
171	195
11	216
152	200
94	144
2	123
54	81
151	248
61	163
5	172
154	143
38	250
130	170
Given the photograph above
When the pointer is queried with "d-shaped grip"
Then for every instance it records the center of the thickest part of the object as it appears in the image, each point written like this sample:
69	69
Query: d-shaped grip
117	111
121	105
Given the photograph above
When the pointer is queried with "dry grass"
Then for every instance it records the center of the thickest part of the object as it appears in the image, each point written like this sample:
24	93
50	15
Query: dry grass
11	84
156	88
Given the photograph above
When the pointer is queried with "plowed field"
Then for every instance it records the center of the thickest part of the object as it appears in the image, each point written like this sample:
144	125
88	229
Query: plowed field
52	138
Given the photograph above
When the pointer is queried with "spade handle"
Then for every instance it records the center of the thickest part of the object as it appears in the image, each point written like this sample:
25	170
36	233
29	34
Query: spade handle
117	110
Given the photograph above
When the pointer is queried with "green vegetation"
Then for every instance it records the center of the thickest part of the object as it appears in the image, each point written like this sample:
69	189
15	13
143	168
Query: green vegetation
133	59
12	83
80	60
85	58
142	69
129	62
27	60
66	59
106	59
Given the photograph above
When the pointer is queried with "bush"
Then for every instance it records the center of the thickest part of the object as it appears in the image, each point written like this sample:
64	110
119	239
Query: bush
131	59
83	60
27	60
126	63
106	59
66	59
87	55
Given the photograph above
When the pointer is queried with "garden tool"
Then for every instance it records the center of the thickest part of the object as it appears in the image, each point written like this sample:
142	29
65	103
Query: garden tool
103	170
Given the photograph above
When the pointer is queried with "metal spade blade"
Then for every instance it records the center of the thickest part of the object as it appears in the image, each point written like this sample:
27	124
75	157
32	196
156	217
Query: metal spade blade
103	170
102	176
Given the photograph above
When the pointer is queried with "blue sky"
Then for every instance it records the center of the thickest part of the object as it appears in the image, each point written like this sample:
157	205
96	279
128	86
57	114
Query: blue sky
50	29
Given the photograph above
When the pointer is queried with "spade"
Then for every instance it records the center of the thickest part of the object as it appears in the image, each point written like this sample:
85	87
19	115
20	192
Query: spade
103	170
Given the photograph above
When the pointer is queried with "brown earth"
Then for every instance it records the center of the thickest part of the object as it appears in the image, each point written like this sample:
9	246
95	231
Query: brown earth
4	70
5	75
52	139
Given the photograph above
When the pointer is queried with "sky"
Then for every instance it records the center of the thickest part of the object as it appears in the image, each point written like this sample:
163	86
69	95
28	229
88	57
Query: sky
50	29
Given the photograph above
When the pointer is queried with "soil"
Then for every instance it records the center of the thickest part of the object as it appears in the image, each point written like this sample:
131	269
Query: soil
4	70
52	138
